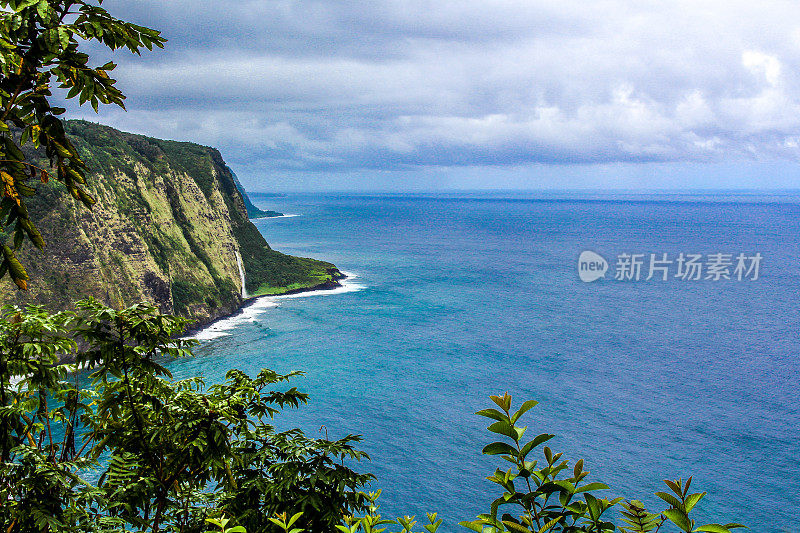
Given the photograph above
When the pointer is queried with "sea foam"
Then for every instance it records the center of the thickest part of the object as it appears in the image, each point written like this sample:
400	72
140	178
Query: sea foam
286	215
252	311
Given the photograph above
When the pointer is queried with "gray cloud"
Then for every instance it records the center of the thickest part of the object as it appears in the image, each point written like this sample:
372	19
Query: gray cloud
364	88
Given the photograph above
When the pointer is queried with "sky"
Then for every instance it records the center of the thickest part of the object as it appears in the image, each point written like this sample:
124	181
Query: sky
492	94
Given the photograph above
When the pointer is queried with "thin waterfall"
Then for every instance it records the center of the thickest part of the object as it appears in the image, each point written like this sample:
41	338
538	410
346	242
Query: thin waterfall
241	274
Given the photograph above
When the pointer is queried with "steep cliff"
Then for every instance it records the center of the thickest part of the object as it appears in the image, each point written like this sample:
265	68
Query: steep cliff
169	227
253	211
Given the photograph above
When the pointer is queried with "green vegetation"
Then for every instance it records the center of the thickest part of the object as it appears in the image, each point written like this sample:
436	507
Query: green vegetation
254	212
277	273
131	449
193	159
549	496
135	450
39	41
185	294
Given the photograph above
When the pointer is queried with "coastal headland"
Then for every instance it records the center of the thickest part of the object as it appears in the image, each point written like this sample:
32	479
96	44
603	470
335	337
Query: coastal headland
171	226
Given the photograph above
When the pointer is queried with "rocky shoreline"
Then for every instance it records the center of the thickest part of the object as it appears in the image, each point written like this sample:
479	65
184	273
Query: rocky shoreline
331	284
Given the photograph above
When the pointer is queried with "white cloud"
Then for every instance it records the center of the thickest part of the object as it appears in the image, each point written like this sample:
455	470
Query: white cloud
347	86
759	63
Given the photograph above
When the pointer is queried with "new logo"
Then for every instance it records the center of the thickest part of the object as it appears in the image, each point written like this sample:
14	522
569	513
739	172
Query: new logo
591	266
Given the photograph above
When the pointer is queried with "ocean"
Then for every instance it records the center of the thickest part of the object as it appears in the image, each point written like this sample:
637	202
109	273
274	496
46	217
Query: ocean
453	297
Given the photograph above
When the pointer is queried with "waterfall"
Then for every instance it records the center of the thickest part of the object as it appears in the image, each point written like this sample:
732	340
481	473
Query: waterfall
241	273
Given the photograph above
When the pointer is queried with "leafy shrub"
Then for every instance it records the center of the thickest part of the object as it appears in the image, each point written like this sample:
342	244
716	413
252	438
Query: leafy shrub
548	496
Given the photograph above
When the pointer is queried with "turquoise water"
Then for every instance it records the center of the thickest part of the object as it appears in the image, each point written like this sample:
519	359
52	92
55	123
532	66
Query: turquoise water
458	297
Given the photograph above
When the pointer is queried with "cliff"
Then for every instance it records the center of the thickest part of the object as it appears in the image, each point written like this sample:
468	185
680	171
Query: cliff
169	226
253	211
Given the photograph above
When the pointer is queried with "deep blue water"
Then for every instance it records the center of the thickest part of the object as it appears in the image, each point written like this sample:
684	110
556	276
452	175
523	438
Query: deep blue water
469	295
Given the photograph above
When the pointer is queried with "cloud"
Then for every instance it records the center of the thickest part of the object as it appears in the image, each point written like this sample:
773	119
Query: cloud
398	86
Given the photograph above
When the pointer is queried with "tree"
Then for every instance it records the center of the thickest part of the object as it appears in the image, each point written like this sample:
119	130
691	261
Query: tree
39	47
127	448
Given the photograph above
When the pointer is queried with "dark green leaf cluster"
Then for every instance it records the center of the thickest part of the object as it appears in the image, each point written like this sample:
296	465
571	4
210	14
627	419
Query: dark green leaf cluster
39	41
129	448
550	497
681	503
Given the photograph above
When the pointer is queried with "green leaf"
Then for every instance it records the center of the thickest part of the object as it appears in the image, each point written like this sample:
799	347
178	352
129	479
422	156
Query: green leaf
670	499
576	471
504	401
692	500
15	268
295	518
594	506
25	5
674	486
504	428
591	486
474	526
63	37
492	413
33	233
544	437
524	408
549	525
686	487
713	528
679	519
516	527
43	10
498	448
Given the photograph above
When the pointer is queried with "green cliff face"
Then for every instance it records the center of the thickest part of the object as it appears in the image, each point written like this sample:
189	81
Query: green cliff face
167	228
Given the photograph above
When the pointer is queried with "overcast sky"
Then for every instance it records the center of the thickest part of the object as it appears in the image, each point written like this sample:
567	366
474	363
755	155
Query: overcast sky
332	95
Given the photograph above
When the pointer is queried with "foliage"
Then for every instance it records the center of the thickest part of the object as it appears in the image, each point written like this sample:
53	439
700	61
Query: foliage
128	448
550	497
134	449
39	46
372	521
